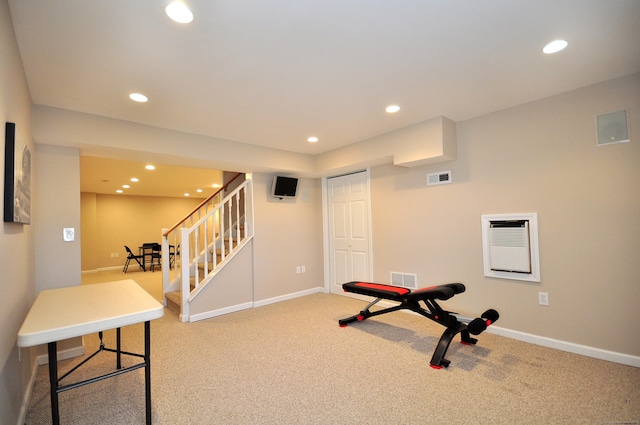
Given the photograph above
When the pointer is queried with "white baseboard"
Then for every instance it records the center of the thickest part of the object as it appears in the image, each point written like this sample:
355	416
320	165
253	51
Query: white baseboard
42	360
22	416
219	312
63	355
569	347
288	297
101	269
247	305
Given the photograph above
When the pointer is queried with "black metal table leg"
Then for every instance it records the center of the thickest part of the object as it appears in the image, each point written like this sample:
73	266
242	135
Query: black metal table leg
118	350
53	380
147	369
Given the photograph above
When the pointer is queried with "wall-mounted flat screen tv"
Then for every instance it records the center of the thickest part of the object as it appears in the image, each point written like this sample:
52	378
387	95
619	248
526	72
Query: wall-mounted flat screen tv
284	187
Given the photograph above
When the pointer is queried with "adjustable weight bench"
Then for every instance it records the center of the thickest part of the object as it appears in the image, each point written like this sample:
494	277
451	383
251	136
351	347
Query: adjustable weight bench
410	300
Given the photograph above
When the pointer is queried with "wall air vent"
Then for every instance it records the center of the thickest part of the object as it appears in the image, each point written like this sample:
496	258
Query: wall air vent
406	280
612	128
442	177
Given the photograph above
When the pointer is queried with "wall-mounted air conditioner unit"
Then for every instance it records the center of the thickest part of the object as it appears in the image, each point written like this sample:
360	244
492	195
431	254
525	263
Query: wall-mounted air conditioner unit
510	246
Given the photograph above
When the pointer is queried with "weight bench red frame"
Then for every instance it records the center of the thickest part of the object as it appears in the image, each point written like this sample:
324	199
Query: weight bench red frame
410	300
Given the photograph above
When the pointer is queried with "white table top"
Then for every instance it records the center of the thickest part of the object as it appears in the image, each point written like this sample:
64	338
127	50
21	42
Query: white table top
63	313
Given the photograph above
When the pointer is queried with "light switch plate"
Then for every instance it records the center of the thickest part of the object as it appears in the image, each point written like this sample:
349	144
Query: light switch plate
68	234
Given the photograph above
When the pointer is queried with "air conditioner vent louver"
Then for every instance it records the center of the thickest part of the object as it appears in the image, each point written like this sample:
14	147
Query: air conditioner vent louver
441	177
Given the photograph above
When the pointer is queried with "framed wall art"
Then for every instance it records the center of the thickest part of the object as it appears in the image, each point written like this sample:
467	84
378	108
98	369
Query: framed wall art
17	178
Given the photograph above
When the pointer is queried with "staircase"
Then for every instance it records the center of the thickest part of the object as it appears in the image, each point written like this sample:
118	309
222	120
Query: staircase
197	248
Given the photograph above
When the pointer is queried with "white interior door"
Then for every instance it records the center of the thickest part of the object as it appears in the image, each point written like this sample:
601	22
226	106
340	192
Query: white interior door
348	203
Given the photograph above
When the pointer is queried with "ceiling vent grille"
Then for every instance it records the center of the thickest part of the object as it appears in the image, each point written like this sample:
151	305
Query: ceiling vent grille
406	280
442	177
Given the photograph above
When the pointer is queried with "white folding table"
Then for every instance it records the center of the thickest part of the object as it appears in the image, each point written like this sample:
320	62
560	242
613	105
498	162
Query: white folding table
58	314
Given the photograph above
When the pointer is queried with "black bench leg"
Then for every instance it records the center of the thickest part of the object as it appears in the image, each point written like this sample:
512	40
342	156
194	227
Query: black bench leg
358	317
438	360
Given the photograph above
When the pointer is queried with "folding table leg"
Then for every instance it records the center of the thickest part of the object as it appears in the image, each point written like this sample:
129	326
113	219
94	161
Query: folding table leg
53	381
147	369
118	350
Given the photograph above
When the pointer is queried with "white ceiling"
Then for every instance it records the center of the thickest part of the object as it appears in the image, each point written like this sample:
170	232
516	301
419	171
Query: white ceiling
272	73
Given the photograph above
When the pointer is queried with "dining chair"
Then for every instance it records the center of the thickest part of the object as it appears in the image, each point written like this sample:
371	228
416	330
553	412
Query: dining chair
132	256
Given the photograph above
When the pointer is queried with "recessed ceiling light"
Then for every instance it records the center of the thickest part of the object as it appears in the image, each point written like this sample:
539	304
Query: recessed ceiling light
312	139
215	185
179	12
119	191
125	186
134	179
199	190
555	46
150	167
186	194
138	97
392	109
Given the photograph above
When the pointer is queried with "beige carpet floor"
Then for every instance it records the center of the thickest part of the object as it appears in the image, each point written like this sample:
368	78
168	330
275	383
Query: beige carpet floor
290	363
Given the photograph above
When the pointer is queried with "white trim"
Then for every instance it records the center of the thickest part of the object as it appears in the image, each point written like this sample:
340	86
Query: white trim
288	296
102	269
534	250
325	236
26	399
570	347
256	304
220	312
63	355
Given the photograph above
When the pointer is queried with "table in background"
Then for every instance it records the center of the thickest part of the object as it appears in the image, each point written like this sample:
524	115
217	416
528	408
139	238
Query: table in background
151	250
63	313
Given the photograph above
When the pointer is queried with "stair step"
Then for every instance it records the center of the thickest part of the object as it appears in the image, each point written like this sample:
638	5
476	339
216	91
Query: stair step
174	301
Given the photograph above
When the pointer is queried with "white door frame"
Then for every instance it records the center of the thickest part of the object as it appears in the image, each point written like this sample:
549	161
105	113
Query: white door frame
326	228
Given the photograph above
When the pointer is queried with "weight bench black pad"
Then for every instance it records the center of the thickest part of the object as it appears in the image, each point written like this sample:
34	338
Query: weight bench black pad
411	300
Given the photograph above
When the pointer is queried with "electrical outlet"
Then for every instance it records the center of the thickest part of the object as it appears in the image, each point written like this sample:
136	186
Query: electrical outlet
543	298
298	269
303	269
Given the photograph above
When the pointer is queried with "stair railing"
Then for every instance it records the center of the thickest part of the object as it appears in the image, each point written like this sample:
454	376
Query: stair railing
201	244
171	267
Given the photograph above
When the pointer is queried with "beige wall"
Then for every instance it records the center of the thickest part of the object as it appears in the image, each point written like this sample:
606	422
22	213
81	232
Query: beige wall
539	157
288	233
111	221
16	240
58	207
232	288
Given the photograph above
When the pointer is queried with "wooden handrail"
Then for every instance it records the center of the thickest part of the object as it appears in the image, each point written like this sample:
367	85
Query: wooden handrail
203	203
